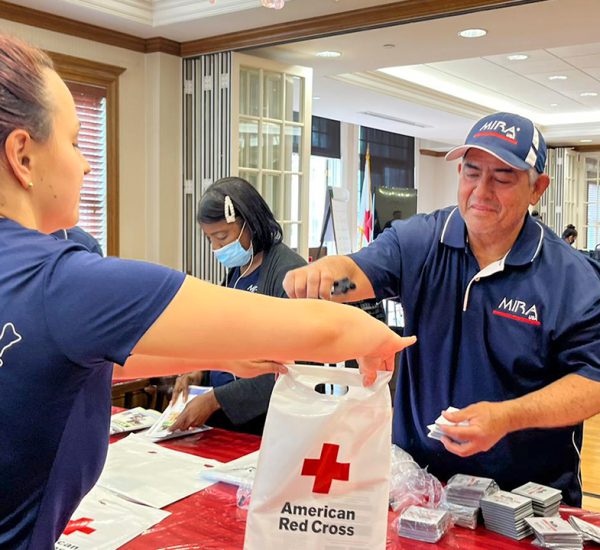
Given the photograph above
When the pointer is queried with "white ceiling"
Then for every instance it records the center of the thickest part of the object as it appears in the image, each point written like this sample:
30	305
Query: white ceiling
436	82
442	83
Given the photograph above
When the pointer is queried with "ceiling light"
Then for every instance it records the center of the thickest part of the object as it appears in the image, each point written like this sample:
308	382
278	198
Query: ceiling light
328	53
553	104
517	57
276	4
585	141
316	97
588	94
557	77
472	33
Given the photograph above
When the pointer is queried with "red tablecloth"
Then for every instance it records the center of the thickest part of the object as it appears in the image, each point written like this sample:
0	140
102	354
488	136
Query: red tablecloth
210	519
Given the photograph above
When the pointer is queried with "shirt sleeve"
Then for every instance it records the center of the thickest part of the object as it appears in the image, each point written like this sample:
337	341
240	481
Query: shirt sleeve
394	260
579	345
245	398
98	308
381	262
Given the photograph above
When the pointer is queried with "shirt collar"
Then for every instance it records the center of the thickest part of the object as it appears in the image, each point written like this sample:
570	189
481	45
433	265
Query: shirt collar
524	251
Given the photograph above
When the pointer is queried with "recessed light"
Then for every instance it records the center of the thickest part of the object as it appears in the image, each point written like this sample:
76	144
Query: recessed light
553	104
517	57
316	97
557	77
585	141
328	53
588	94
472	33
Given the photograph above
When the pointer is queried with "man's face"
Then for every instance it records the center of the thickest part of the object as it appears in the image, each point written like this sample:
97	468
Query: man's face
493	197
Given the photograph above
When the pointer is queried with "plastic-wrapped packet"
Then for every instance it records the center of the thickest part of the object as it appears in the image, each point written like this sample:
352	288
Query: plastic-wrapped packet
464	516
412	485
466	490
243	495
424	524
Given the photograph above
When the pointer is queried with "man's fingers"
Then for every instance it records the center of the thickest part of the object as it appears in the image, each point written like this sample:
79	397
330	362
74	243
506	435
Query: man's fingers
313	281
289	284
460	433
325	286
457	416
460	449
300	286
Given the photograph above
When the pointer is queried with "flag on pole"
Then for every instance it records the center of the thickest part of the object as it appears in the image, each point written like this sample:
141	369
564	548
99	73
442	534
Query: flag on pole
365	210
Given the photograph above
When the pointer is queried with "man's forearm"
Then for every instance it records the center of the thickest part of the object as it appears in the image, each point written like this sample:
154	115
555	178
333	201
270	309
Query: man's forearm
568	401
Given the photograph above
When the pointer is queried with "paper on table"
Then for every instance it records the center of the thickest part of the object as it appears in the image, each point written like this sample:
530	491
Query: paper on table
150	474
159	431
132	420
239	472
105	521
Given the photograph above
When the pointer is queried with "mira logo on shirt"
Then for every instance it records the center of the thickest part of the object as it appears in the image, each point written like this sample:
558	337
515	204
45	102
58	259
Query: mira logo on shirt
517	310
498	128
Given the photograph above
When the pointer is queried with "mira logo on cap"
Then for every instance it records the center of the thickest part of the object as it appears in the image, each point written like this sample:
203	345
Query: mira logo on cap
498	129
511	138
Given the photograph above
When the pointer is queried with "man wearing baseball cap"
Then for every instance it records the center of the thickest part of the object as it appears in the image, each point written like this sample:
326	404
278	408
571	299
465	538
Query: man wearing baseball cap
503	334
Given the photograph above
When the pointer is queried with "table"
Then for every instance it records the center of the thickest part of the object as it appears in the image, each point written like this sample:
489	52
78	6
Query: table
210	519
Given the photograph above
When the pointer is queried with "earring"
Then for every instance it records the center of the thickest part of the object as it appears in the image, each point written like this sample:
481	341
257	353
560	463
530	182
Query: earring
30	185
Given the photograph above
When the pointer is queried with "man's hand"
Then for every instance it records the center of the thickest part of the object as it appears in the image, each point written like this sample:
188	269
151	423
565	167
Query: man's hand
369	365
197	411
488	424
312	281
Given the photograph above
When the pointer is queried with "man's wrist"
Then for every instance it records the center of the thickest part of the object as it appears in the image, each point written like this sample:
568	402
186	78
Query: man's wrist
511	415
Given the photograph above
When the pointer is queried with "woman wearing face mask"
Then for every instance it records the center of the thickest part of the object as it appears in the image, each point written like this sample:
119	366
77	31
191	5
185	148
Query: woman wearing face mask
246	239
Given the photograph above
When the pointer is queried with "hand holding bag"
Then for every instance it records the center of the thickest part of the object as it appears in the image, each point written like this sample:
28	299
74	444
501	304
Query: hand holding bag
323	471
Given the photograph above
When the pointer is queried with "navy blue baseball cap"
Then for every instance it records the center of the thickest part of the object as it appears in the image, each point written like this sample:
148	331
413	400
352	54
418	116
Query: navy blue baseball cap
511	138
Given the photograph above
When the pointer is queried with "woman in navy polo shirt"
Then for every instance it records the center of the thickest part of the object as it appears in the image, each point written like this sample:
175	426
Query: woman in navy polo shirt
247	240
66	315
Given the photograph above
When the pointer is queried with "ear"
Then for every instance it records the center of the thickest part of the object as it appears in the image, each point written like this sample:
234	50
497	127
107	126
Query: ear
459	168
17	149
540	185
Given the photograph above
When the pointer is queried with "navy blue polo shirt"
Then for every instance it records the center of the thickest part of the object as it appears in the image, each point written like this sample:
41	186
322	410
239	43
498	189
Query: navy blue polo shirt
65	316
490	335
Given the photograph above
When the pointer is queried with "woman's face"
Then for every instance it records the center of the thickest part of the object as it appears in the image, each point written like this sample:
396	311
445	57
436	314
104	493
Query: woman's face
57	165
222	233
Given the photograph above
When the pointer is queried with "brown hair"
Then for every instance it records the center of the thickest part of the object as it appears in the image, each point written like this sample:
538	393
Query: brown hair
23	101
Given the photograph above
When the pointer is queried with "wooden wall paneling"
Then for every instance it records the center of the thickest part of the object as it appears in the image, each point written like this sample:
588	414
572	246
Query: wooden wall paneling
408	11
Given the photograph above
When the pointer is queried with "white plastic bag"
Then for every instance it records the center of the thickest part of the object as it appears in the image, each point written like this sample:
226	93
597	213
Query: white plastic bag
324	464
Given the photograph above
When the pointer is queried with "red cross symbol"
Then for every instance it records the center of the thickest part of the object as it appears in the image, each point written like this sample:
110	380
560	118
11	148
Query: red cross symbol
326	468
80	524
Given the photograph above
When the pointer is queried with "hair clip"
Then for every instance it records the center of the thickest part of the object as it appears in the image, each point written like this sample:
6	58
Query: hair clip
229	210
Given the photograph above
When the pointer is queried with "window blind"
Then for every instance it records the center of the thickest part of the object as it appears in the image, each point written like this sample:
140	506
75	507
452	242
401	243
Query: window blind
90	103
